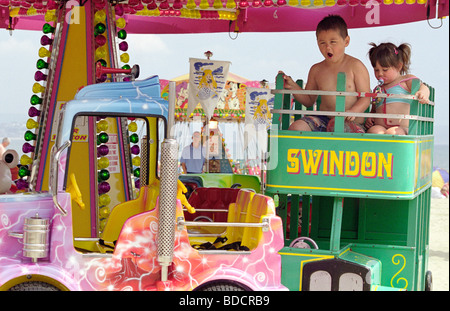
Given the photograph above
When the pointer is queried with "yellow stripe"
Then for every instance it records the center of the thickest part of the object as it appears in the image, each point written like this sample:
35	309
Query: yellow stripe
340	138
343	189
307	255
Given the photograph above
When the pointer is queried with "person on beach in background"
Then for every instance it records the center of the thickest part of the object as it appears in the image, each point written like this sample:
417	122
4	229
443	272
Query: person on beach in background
332	39
192	157
391	65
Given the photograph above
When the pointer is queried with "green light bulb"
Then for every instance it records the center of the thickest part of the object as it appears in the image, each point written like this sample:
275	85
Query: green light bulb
134	138
47	28
29	136
137	172
99	29
122	34
41	64
103	175
35	100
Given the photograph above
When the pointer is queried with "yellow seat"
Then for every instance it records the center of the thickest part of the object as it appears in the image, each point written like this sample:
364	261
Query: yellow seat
119	215
237	212
260	206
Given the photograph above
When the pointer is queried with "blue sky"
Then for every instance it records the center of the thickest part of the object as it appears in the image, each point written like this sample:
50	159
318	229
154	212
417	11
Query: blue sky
255	56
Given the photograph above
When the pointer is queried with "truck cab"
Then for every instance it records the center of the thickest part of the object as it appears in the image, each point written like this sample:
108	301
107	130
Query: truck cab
144	242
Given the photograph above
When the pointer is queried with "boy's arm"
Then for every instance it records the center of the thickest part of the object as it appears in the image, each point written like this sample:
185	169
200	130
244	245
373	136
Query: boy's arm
362	84
290	84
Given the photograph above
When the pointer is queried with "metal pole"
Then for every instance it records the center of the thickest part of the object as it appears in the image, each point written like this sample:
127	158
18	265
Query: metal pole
168	193
171	117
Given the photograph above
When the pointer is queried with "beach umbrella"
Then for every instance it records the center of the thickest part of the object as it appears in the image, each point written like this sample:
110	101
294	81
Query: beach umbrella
439	177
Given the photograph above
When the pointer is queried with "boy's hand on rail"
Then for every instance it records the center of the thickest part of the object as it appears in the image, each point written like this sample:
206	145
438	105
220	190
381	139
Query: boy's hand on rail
289	83
350	118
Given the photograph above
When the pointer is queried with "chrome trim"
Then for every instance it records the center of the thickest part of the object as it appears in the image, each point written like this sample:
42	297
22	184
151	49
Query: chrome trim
264	224
55	155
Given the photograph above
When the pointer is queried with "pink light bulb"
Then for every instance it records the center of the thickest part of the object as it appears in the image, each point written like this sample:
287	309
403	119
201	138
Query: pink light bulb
33	112
243	4
177	5
39	76
152	5
164	5
256	3
46	40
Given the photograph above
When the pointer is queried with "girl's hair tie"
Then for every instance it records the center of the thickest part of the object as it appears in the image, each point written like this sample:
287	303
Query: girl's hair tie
395	51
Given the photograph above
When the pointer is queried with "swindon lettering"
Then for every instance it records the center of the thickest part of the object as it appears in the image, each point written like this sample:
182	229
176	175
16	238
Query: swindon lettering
340	163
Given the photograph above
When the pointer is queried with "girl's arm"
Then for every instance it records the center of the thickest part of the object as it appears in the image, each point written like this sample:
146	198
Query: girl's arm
423	94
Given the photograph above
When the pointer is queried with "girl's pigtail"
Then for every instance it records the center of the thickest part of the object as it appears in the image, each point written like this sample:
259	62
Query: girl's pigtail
405	54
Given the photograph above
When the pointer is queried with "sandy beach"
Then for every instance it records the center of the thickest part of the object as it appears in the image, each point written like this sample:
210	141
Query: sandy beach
439	242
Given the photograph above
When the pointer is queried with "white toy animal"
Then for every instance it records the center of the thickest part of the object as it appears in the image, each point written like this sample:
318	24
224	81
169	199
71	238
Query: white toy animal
9	160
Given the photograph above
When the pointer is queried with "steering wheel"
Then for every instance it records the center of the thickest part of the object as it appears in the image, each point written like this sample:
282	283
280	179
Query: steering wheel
300	243
200	218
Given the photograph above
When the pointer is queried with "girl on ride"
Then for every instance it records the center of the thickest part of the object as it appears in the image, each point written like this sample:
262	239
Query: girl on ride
391	65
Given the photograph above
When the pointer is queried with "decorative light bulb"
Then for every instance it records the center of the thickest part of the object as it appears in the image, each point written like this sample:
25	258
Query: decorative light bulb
47	28
122	34
26	148
102	151
37	88
43	52
39	76
41	64
33	112
102	163
31	124
29	136
46	40
35	100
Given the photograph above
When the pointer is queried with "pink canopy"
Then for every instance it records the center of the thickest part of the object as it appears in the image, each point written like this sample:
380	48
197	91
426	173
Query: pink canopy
206	16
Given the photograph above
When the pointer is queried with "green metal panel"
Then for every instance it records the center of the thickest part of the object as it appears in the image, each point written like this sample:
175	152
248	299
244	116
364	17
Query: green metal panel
398	264
346	164
293	261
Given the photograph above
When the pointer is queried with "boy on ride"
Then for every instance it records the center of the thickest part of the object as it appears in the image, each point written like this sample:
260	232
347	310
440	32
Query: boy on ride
332	39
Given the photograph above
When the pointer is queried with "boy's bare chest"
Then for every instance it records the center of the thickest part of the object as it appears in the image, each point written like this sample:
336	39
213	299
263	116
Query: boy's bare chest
327	80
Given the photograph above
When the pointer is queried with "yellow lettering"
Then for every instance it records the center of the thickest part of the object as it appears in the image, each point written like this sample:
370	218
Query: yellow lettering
293	166
425	163
369	167
312	161
325	162
385	165
351	160
336	162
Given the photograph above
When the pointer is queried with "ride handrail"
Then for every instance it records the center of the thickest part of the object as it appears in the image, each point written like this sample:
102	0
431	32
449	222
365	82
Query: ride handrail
356	94
421	115
264	224
352	114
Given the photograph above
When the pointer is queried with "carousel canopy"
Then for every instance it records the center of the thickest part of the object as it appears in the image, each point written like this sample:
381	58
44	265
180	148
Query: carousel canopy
207	16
